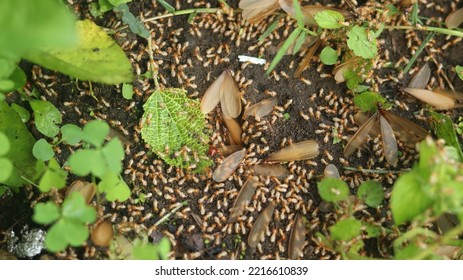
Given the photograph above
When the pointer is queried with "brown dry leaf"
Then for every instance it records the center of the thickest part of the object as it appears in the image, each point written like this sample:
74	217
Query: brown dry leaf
438	100
230	99
308	11
255	10
331	171
298	151
421	78
228	150
274	170
389	141
258	229
261	109
297	238
102	234
88	190
212	95
244	197
228	166
305	62
235	130
454	19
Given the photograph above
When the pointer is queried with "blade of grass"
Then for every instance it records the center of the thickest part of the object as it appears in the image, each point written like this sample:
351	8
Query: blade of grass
298	12
270	29
281	52
299	42
418	52
166	6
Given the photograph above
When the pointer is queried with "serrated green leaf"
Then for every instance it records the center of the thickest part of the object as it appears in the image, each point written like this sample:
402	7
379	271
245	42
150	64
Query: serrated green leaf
54	177
332	189
329	19
43	150
71	134
95	132
114	187
56	237
4	144
170	123
368	101
46	213
97	57
362	42
22	112
127	91
371	192
46	116
459	70
328	56
6	169
346	230
408	199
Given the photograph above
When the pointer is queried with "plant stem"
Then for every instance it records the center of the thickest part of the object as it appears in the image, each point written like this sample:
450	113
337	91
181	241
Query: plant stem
154	70
378	171
440	30
166	217
451	234
418	52
184	12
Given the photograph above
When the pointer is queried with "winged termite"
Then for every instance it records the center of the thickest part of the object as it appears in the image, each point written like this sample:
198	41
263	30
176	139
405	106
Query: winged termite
244	197
331	171
88	190
228	166
228	150
339	70
389	125
421	78
261	109
276	171
438	99
307	58
297	238
298	151
235	130
255	10
454	19
224	90
308	11
260	225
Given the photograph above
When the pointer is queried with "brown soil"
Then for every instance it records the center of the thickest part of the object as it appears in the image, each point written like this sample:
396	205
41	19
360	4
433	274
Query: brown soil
328	106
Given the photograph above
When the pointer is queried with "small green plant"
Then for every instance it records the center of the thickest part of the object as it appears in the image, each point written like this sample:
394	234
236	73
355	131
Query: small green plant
174	126
69	221
459	70
143	250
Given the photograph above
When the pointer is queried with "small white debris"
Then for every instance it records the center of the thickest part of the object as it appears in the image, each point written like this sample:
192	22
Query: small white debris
253	60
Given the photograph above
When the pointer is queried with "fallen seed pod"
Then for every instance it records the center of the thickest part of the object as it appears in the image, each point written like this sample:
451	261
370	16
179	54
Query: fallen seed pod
102	234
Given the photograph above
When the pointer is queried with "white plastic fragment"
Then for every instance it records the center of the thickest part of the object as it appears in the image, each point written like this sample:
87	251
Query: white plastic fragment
253	60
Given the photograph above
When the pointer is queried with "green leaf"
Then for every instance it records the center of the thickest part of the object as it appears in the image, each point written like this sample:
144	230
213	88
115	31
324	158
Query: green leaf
22	112
16	81
298	13
408	199
299	42
6	169
362	42
86	161
372	231
76	232
71	134
21	143
443	127
54	177
127	91
116	3
4	144
173	120
332	189
371	192
282	51
105	6
368	101
114	187
46	117
96	58
346	230
146	251
392	10
329	19
43	150
56	239
113	152
135	25
75	208
328	56
459	70
32	25
95	132
46	213
166	6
